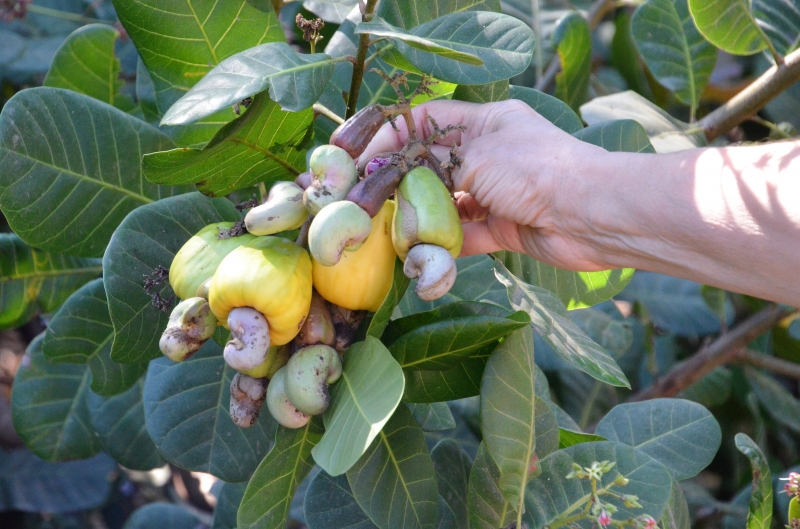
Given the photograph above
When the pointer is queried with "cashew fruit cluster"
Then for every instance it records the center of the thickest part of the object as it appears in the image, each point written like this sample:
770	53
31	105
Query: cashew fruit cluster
293	307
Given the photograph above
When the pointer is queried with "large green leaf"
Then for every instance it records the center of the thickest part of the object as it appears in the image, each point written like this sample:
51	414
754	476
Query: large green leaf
182	40
508	417
549	318
729	25
85	63
681	435
614	335
409	14
780	21
485	93
32	280
775	399
488	506
295	81
362	401
573	41
452	466
433	417
70	169
444	337
329	504
49	410
394	481
81	333
186	409
227	508
119	424
574	289
676	515
551	108
266	500
567	438
622	135
552	495
265	145
676	53
459	382
147	238
503	43
625	57
161	514
760	514
666	133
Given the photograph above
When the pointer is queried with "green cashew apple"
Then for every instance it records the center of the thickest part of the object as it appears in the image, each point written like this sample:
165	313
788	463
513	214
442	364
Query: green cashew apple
308	374
279	405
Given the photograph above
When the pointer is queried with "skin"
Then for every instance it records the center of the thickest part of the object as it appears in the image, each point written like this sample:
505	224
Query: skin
727	217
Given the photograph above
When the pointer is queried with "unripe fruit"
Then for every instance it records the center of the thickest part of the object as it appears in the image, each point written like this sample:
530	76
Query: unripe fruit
279	406
334	174
361	279
340	226
271	275
202	290
247	398
318	327
373	191
190	325
307	376
355	134
277	356
249	343
199	257
282	211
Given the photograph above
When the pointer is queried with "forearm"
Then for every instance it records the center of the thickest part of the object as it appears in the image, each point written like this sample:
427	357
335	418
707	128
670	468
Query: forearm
727	217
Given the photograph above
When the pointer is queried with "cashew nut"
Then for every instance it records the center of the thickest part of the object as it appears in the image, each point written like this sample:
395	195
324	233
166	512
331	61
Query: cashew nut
249	342
338	227
282	211
334	173
247	397
308	374
279	405
435	268
190	325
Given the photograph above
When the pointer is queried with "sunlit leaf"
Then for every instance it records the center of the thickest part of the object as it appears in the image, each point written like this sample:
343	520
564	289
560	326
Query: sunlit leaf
729	25
760	515
573	42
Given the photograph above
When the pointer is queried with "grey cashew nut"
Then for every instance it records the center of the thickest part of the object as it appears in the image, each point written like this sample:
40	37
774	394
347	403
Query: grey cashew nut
249	342
435	268
190	325
283	210
334	174
247	397
279	405
338	227
308	374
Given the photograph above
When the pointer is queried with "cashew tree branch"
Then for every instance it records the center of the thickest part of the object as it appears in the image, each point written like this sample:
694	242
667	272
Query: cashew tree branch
361	57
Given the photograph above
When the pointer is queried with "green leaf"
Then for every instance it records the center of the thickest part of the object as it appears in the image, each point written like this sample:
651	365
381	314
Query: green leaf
228	500
504	44
161	514
180	41
459	382
623	135
147	238
445	336
186	409
274	66
362	401
552	495
681	435
549	318
775	399
712	390
676	515
265	145
488	507
760	515
728	25
485	93
666	133
794	509
567	438
575	289
573	41
551	108
452	466
625	57
508	417
329	504
81	333
48	407
394	481
433	417
613	335
406	15
675	52
119	424
269	494
780	21
379	320
85	63
380	28
33	281
70	169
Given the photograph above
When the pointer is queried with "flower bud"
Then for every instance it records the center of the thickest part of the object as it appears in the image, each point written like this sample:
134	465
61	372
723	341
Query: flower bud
621	480
190	325
604	519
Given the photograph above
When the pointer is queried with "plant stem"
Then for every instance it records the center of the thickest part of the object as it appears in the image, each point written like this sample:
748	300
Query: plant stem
776	365
722	350
66	15
361	56
262	188
753	98
322	110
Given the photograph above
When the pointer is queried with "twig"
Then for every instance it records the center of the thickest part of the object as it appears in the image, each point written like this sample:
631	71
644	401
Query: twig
361	57
722	350
328	113
776	365
753	98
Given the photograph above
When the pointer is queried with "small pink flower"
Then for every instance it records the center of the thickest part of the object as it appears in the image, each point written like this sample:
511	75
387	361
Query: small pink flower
604	519
648	522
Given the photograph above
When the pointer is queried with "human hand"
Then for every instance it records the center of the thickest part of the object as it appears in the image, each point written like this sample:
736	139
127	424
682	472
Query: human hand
521	182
